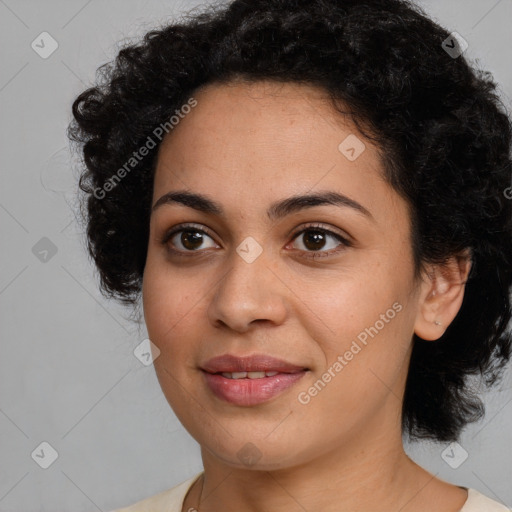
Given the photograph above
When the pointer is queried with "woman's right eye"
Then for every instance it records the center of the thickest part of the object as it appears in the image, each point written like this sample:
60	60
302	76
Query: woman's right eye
188	239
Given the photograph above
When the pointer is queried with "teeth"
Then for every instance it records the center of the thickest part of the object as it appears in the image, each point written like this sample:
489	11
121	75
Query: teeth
255	375
250	375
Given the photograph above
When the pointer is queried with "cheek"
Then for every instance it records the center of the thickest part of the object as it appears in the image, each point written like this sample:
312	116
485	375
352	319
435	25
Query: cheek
344	305
168	300
364	319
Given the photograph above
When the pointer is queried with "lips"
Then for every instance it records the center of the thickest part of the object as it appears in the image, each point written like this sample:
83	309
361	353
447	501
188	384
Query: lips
249	381
228	363
248	375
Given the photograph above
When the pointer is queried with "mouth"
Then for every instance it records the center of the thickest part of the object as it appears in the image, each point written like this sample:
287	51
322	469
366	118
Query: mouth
251	380
252	366
247	375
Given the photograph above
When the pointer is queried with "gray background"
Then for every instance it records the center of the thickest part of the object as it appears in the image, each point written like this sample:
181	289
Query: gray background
68	375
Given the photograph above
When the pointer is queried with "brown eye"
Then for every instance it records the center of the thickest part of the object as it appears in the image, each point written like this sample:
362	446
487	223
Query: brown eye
320	242
314	240
188	240
191	240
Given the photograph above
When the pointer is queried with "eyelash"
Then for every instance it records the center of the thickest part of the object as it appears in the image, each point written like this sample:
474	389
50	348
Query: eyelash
304	229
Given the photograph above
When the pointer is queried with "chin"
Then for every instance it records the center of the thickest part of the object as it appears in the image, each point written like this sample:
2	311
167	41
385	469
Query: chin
259	453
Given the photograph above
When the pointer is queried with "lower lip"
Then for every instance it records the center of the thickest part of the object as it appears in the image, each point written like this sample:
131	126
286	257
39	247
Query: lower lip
248	392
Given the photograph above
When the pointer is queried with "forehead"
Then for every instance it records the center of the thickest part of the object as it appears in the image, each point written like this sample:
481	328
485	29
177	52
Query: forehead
257	122
260	111
265	140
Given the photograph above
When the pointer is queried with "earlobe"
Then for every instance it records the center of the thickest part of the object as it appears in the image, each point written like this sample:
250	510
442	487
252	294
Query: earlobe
441	296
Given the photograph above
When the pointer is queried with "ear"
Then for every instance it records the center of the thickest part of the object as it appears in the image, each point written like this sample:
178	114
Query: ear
442	292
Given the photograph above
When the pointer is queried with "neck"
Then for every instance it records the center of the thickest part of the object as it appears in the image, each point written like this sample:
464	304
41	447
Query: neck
360	475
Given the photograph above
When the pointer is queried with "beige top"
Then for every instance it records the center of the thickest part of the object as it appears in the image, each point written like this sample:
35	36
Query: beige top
172	501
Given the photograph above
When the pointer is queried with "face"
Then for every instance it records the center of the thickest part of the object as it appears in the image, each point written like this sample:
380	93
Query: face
315	298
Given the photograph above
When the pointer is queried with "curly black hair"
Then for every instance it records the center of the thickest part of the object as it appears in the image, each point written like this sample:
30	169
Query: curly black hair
444	135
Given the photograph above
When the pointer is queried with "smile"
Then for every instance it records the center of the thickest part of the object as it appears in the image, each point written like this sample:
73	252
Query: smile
243	390
248	375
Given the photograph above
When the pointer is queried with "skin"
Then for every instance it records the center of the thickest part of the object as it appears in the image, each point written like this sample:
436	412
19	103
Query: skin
246	146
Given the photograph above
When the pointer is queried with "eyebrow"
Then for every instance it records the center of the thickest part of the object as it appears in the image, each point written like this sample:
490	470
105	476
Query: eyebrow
277	210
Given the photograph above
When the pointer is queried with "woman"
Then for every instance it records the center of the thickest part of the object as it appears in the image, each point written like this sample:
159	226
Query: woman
310	199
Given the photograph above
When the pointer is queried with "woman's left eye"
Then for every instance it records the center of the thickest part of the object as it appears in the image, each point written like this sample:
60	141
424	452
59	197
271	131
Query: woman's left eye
319	240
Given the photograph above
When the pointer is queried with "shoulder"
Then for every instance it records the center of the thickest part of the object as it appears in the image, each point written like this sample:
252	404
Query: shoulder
170	500
478	502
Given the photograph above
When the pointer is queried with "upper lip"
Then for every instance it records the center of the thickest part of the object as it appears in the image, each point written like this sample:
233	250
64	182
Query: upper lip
228	363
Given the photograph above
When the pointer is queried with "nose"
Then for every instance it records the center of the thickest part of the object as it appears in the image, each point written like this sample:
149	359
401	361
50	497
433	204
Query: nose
248	294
